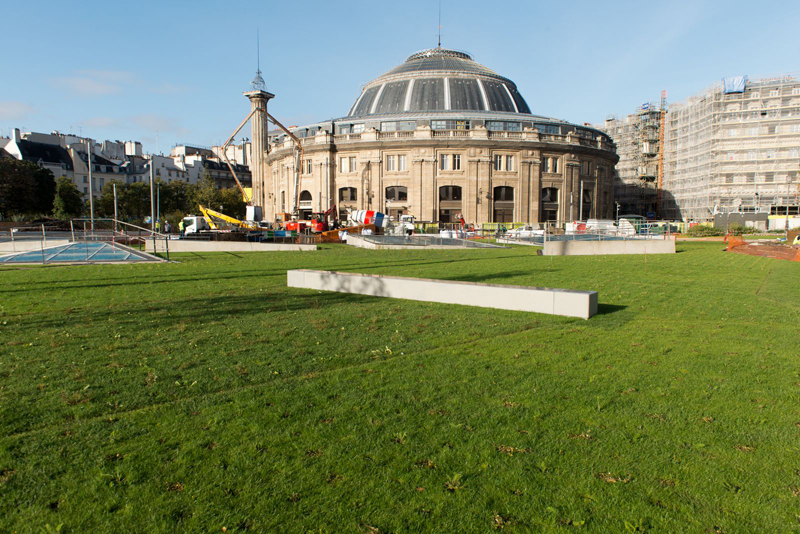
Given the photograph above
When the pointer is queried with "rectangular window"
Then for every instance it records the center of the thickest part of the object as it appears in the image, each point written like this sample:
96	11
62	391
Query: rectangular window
751	154
794	152
503	126
509	163
456	162
796	91
86	179
449	125
549	129
398	126
755	95
390	163
498	162
352	164
85	190
343	165
401	162
795	128
444	162
358	128
309	166
586	168
545	164
554	164
774	92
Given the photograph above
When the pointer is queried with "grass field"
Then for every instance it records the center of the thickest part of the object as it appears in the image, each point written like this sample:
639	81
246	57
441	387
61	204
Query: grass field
204	394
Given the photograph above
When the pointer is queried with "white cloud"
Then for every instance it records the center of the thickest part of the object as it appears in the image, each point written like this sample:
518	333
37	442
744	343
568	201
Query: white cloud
14	111
168	88
93	82
102	122
86	86
109	76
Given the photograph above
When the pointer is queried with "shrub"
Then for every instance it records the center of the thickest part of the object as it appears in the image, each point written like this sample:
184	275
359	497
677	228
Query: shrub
703	230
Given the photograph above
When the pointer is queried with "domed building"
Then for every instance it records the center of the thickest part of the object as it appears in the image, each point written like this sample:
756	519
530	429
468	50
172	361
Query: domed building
437	137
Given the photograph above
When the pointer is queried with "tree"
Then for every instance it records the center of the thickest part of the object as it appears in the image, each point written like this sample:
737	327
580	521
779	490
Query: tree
232	202
105	203
206	193
68	201
25	188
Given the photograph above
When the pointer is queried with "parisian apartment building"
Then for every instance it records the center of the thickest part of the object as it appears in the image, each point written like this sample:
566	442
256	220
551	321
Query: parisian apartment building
123	161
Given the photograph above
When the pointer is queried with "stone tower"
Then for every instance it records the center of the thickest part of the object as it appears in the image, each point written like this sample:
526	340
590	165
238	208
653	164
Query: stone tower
259	138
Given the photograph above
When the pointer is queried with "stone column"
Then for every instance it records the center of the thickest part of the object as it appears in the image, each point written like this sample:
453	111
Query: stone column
536	189
485	185
567	209
428	194
259	140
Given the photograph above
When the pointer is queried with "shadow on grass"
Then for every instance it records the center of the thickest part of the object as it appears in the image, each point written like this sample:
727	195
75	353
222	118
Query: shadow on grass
606	309
488	278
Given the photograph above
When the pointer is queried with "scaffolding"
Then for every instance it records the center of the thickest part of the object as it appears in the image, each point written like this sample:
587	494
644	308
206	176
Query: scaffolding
734	152
639	145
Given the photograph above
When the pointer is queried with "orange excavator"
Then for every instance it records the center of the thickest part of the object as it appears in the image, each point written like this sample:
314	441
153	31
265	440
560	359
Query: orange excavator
319	221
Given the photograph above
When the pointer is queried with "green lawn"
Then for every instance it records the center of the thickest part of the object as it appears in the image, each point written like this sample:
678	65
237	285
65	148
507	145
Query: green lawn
204	394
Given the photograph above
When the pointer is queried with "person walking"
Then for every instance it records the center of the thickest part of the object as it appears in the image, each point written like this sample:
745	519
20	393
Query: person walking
167	227
158	225
181	227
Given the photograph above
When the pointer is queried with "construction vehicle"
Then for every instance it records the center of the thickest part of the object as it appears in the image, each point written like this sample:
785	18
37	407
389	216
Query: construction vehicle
195	224
209	221
319	221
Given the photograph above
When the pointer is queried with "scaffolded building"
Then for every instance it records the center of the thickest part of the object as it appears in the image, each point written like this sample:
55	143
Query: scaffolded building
732	148
638	139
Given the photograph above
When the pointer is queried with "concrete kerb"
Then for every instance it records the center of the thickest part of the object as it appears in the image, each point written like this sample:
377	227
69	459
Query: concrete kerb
179	245
564	302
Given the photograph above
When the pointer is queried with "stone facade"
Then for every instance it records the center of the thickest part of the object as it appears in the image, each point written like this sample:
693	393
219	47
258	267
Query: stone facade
439	137
331	178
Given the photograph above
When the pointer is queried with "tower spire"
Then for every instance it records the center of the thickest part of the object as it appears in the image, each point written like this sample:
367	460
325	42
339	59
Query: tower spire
440	24
258	83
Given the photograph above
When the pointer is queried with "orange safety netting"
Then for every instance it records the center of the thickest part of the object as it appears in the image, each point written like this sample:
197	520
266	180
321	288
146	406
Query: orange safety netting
734	241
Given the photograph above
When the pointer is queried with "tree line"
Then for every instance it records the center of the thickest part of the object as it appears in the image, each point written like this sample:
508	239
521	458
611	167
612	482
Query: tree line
29	192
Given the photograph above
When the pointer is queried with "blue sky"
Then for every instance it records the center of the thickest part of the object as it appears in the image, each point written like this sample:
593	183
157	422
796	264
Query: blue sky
173	72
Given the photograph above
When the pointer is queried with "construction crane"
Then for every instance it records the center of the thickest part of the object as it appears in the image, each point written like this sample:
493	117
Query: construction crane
210	215
298	161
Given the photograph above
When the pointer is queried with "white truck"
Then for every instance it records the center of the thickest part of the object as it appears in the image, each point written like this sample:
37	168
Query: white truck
193	224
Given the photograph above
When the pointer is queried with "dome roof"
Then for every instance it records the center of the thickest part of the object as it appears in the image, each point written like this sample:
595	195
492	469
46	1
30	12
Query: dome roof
439	80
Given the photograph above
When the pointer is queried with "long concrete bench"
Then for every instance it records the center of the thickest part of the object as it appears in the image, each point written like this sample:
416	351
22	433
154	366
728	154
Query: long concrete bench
593	248
566	302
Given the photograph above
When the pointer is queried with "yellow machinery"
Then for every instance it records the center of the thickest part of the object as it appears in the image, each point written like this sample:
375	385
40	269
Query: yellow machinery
210	215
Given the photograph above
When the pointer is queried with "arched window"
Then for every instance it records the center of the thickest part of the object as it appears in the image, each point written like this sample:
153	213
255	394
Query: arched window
396	193
503	194
549	210
550	194
305	196
449	203
450	193
348	194
503	204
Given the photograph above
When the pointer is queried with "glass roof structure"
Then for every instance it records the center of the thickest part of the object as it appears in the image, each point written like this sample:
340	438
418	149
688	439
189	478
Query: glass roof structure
80	252
439	80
